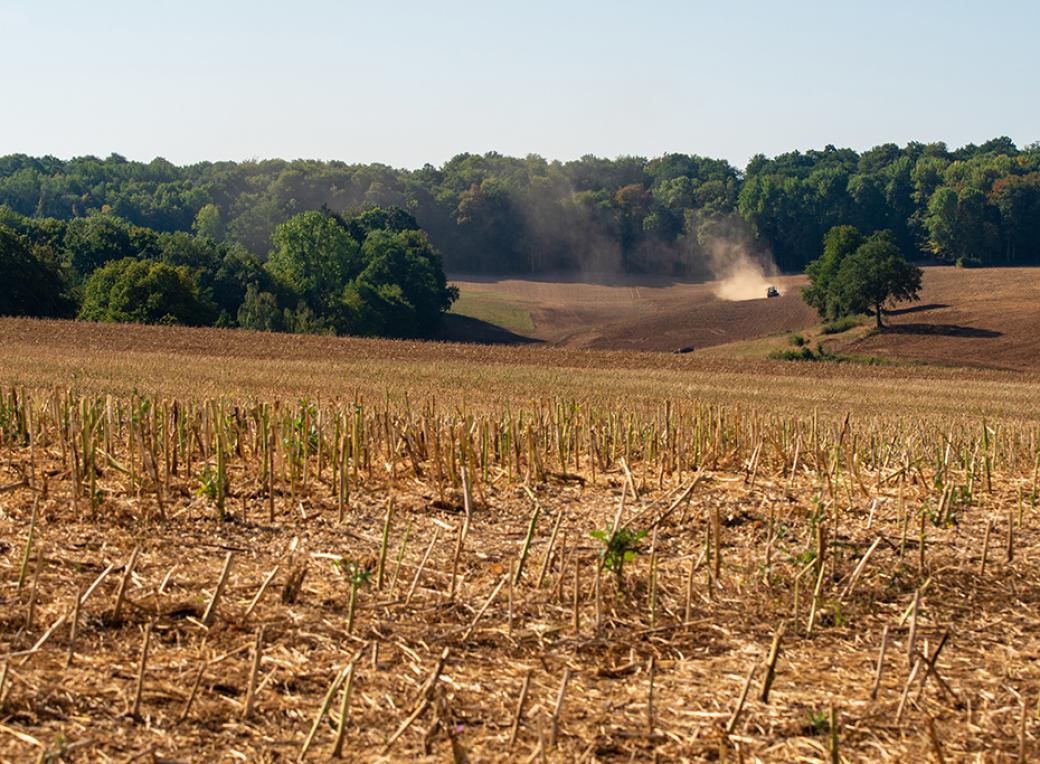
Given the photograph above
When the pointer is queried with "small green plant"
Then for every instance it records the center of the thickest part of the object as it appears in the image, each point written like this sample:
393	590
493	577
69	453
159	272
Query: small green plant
208	483
61	751
968	262
357	575
797	340
960	498
834	617
304	427
213	483
770	579
7	419
619	547
804	557
819	723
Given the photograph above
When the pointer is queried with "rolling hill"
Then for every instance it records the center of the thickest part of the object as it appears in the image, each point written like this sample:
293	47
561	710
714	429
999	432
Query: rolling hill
975	317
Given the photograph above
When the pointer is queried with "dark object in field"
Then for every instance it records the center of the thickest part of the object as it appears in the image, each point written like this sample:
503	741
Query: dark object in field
684	349
772	291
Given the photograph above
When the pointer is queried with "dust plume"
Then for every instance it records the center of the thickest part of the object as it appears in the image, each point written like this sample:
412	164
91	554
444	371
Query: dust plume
741	272
744	279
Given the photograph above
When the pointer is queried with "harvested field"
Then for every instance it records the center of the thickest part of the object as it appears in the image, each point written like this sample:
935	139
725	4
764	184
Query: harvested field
467	540
187	445
178	363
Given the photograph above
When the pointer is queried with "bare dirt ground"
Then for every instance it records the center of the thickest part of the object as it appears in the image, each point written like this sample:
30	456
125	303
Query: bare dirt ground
986	317
640	313
982	318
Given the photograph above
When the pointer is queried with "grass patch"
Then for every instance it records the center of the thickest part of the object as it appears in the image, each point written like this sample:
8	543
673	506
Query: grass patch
839	325
821	354
493	309
803	354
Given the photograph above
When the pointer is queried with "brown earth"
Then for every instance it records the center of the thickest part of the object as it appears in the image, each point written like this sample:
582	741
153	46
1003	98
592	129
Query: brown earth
987	317
640	313
982	318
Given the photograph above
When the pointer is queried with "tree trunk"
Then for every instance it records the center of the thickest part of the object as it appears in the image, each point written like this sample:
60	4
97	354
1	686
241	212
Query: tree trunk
877	315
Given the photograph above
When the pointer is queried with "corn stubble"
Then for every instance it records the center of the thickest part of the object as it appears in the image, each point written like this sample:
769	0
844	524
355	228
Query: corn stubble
793	565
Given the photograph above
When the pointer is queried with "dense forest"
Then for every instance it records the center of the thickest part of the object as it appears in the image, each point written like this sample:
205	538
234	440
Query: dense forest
375	273
212	233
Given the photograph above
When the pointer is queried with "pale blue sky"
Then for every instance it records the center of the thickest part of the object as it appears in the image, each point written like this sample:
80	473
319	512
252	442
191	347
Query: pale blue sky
411	82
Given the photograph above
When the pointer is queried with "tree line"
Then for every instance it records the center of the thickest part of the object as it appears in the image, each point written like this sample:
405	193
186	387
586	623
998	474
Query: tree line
362	249
374	273
497	214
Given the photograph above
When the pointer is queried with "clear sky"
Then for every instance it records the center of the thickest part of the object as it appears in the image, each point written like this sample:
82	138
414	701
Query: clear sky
406	82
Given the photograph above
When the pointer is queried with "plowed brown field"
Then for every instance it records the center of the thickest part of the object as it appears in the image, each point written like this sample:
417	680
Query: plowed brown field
986	317
645	314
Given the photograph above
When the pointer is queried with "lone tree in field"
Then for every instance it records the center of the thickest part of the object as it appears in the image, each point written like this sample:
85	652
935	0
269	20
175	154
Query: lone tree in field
860	274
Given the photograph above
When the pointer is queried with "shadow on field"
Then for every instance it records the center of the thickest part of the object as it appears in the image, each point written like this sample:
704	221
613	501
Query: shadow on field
942	330
456	328
915	309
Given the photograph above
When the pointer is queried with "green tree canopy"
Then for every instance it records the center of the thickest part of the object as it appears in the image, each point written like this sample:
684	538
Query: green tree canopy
223	272
838	244
146	292
315	257
260	312
500	214
97	239
31	282
1018	199
208	223
402	290
860	275
374	274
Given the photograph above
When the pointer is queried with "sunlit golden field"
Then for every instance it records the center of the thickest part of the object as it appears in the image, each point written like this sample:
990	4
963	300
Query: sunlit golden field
218	545
169	361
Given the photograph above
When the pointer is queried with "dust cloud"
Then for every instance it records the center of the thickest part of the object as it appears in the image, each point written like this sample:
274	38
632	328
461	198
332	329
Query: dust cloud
740	274
745	280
